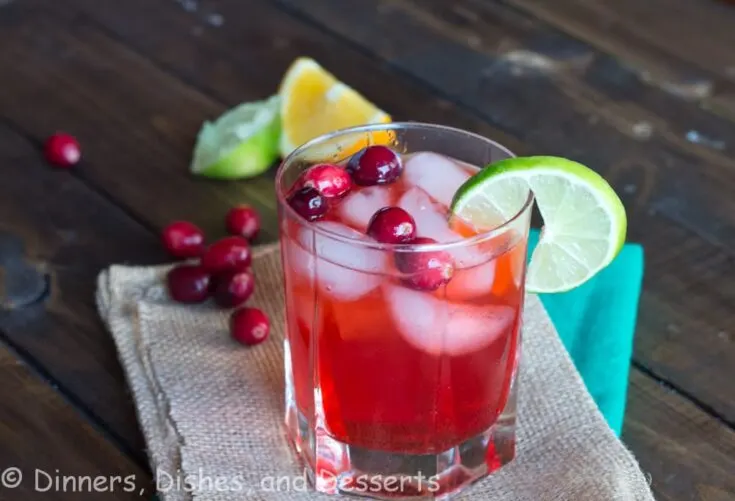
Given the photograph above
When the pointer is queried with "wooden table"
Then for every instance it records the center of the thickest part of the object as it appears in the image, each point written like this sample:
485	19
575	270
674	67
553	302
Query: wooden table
643	91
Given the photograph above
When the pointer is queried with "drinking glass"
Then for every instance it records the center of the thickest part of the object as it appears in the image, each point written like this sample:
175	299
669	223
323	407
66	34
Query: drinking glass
393	392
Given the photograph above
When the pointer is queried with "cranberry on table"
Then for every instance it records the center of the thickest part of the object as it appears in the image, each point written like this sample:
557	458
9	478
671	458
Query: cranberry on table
233	288
62	150
227	254
183	239
392	225
331	181
188	284
308	203
243	221
249	326
375	165
425	270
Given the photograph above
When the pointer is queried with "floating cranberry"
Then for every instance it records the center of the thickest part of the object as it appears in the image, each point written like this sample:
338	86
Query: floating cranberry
392	225
308	203
62	150
375	165
243	221
249	326
331	181
227	254
183	239
233	288
426	270
188	283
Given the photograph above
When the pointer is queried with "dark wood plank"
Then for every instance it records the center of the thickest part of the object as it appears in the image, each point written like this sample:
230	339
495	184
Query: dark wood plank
245	57
683	46
548	89
687	453
136	123
40	431
625	95
55	235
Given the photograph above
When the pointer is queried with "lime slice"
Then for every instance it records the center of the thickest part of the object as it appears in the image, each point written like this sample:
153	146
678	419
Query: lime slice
241	143
584	220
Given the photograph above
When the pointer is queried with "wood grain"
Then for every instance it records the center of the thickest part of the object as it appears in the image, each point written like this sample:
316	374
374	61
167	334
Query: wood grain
671	109
686	453
78	78
683	38
246	56
558	95
57	232
59	455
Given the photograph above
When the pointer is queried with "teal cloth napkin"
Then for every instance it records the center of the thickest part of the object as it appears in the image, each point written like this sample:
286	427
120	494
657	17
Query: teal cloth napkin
596	323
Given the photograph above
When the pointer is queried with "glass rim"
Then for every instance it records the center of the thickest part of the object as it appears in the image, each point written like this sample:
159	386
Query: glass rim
439	246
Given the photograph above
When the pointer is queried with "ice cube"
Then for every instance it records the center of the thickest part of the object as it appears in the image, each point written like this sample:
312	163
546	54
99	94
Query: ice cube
350	255
472	327
343	271
420	317
431	220
436	174
359	206
470	283
437	326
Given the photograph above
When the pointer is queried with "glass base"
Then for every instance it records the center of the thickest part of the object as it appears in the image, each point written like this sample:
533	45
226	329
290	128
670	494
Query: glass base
334	467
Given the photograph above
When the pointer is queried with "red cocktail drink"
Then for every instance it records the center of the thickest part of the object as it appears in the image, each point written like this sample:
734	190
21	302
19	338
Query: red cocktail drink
401	354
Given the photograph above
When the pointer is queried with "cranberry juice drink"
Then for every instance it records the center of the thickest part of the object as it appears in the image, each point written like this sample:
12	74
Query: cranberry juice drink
403	322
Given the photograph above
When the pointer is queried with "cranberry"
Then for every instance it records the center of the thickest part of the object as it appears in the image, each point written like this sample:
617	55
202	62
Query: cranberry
233	288
227	254
426	270
243	221
62	150
308	203
392	225
375	165
249	326
183	239
330	180
188	283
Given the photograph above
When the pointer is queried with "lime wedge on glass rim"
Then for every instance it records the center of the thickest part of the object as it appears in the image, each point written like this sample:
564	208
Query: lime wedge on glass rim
242	143
584	220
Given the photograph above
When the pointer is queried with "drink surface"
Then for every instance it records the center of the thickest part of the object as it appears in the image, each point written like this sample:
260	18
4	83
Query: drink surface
386	366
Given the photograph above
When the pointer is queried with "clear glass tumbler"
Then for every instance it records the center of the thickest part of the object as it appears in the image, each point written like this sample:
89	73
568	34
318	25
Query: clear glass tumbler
393	391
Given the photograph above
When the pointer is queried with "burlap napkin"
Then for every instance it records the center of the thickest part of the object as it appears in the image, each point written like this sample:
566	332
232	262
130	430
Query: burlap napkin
211	410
